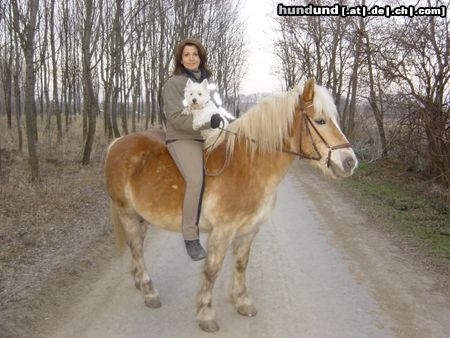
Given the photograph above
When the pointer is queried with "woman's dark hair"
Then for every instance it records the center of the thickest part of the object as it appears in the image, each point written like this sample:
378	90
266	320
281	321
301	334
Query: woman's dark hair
179	68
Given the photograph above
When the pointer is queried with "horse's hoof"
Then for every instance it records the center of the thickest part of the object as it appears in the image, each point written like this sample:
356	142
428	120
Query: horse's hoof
208	325
153	303
247	310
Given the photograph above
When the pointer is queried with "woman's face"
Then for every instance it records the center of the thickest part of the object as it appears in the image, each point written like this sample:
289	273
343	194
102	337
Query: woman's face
190	58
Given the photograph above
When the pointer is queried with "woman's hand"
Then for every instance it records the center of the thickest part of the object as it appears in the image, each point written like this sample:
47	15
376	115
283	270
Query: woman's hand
216	120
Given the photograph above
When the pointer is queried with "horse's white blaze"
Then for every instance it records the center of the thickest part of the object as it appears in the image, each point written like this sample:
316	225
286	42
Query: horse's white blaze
340	156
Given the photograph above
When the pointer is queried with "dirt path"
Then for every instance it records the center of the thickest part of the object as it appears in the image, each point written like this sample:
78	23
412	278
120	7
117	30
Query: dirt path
317	270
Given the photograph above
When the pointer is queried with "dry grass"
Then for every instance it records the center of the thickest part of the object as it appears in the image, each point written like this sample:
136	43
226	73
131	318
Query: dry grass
48	230
27	208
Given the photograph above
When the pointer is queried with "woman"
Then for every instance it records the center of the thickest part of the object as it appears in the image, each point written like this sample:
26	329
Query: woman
185	144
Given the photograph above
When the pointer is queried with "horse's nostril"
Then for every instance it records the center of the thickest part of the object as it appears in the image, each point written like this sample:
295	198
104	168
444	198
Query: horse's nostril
349	163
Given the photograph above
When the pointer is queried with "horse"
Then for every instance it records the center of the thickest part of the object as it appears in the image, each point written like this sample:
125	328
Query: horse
252	155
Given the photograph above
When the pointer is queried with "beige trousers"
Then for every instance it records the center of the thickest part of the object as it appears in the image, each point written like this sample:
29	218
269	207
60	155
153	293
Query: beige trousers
188	156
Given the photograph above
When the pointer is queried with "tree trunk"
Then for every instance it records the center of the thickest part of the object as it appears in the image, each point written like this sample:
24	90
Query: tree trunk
18	106
55	107
7	81
438	162
350	123
90	104
17	94
28	45
377	112
116	61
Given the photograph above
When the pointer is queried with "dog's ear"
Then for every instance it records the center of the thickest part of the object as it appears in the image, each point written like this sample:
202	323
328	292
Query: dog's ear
205	83
189	82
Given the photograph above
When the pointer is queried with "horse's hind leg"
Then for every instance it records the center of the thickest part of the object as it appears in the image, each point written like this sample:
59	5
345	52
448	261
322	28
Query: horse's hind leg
134	265
239	296
218	242
135	230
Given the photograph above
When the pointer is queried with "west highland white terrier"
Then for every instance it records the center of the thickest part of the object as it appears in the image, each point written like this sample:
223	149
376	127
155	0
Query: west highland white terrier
198	103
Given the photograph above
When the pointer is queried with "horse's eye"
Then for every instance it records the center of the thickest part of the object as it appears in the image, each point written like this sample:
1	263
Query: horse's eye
320	121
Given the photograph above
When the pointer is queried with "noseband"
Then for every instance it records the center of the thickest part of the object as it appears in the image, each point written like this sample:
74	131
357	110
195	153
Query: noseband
306	120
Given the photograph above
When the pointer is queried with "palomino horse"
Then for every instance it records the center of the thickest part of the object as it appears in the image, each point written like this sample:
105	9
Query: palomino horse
255	154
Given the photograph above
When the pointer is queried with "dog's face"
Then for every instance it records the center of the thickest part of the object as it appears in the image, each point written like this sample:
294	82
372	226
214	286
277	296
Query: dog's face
196	94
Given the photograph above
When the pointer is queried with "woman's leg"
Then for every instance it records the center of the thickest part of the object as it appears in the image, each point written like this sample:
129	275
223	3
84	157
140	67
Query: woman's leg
188	156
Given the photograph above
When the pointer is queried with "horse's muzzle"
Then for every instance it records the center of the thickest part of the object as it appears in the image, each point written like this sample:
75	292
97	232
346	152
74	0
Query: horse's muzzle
349	164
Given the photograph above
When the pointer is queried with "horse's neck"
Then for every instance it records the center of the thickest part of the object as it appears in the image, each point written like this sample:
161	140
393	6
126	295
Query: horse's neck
270	168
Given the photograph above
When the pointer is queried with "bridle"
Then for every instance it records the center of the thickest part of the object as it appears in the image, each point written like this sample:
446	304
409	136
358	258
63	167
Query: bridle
300	153
308	124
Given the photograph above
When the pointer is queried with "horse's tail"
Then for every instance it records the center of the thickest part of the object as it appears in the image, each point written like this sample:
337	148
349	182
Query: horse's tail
119	233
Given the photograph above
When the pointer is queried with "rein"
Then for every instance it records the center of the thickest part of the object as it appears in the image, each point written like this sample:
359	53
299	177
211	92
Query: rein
308	123
227	158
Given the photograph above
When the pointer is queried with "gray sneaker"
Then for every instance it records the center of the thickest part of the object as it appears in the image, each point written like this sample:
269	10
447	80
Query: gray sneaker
195	250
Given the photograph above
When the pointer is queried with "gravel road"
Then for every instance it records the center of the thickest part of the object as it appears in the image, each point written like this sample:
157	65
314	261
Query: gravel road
317	269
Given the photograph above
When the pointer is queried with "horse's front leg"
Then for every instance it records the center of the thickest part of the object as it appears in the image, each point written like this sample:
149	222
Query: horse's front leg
218	242
239	296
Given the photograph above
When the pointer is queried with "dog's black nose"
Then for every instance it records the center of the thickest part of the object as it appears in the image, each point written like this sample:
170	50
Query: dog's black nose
194	101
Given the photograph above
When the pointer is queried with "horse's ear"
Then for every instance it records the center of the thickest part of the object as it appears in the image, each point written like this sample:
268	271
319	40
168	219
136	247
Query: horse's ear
308	90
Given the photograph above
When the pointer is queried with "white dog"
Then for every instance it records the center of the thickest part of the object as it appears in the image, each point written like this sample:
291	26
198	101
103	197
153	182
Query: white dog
198	103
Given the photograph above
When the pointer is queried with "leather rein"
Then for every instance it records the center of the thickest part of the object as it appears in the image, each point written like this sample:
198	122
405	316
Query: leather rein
300	153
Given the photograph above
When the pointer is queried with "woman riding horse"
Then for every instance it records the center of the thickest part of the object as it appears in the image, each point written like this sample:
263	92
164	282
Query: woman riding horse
185	144
258	149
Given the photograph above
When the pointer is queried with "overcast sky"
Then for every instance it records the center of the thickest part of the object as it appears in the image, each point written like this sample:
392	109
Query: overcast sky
260	35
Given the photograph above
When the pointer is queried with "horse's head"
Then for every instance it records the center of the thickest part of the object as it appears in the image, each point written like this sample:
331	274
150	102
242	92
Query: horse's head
319	138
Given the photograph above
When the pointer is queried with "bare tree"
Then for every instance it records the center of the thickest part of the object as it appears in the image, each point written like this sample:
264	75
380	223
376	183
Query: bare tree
90	101
120	51
375	88
421	67
55	106
349	118
322	47
6	62
26	32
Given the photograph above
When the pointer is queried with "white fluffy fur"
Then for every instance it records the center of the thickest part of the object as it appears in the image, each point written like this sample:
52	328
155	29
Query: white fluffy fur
199	104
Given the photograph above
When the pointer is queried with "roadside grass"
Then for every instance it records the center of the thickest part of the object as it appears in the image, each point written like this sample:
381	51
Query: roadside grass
418	208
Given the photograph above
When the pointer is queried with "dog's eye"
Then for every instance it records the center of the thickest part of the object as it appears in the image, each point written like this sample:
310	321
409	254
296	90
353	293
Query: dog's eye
199	94
192	94
320	121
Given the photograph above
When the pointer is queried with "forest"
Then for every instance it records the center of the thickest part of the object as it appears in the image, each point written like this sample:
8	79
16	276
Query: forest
106	61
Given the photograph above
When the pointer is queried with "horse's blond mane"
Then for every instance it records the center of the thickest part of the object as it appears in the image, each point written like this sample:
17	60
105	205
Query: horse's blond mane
266	125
